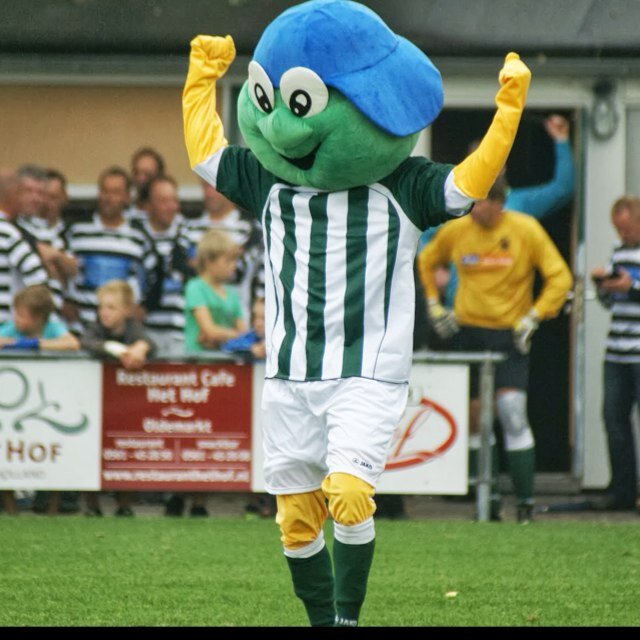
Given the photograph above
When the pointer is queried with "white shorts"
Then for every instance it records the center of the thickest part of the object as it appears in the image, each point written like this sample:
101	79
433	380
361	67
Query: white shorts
312	429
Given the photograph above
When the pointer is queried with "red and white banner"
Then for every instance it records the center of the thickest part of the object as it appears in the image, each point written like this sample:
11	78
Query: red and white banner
178	427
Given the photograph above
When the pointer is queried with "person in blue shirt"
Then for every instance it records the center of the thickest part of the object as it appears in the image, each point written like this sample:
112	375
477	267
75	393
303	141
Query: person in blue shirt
33	325
539	200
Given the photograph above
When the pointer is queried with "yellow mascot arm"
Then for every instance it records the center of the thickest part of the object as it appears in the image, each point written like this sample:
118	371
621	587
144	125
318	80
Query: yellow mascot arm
203	131
475	175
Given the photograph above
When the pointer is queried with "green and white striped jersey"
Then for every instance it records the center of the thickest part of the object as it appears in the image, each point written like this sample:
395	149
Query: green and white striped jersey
339	266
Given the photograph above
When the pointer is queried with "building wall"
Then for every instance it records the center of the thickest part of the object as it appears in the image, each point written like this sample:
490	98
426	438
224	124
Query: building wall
80	130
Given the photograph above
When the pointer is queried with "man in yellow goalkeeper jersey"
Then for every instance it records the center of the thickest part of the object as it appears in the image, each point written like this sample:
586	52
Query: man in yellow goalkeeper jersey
497	254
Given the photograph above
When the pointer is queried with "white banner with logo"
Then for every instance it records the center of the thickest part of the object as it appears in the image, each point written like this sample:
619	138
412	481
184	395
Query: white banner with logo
50	424
428	453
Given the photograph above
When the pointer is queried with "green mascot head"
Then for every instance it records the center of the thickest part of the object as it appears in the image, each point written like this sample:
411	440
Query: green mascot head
334	98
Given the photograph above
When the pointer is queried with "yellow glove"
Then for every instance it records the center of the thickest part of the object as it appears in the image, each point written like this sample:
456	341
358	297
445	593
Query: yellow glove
524	330
443	320
203	131
475	175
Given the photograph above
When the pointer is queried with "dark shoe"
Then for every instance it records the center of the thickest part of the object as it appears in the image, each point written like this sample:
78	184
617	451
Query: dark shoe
174	506
124	512
40	502
68	507
495	510
252	508
94	513
525	513
198	512
268	508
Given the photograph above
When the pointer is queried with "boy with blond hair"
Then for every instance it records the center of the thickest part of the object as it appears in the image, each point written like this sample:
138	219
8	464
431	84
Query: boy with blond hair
117	333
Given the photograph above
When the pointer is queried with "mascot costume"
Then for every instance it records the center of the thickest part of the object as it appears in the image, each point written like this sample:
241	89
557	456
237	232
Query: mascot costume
331	111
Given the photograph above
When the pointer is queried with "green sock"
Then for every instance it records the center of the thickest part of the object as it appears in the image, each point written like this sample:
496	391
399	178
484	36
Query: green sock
522	468
313	584
351	565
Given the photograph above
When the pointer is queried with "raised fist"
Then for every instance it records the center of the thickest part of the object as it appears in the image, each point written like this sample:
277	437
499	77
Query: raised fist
213	54
514	69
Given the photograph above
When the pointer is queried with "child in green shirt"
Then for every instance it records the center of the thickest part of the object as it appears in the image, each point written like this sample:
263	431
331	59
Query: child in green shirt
213	313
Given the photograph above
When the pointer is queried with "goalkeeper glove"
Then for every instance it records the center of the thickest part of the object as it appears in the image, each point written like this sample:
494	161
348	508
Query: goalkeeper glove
524	330
443	320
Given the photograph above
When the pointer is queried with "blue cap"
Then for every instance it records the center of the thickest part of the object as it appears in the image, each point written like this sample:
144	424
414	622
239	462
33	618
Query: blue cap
385	76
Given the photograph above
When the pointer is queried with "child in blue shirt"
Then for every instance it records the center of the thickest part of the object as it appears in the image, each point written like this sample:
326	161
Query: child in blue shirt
32	325
33	328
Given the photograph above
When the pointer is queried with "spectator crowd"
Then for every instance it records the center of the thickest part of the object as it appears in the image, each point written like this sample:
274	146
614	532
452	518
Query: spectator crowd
136	234
130	279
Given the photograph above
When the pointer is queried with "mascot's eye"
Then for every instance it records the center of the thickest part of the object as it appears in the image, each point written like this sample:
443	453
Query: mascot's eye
303	92
260	88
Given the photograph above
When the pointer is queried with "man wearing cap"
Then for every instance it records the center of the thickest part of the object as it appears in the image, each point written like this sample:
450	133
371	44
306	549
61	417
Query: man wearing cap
331	111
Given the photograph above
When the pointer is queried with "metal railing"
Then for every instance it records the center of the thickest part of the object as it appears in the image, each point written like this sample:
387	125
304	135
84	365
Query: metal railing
487	361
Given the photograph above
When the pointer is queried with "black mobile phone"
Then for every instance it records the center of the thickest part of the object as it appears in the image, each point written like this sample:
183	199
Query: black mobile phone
612	272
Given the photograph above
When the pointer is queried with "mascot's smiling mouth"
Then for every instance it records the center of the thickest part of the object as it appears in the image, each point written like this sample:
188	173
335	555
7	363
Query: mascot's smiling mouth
304	163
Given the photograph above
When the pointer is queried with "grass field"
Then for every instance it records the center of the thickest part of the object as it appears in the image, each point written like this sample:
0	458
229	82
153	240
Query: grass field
226	571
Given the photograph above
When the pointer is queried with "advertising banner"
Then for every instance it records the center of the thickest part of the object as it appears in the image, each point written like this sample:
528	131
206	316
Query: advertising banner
177	427
84	425
50	424
428	452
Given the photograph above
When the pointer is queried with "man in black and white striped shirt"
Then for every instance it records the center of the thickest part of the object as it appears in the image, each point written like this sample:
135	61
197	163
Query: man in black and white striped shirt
618	286
43	239
107	247
20	265
163	226
146	163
